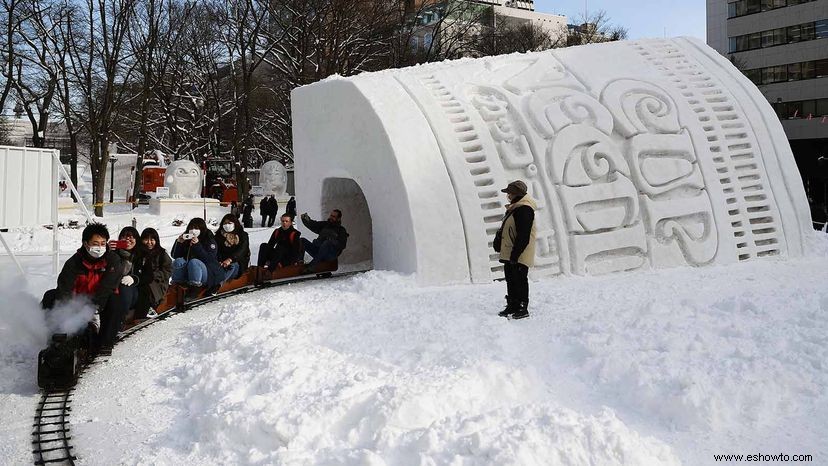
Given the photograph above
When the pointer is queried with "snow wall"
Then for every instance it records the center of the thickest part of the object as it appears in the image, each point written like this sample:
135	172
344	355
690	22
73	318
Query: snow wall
641	154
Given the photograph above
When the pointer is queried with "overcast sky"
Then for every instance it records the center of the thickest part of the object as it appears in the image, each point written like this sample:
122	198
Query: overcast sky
643	18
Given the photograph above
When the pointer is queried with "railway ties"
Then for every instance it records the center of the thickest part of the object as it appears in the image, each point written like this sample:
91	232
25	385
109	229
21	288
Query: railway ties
50	431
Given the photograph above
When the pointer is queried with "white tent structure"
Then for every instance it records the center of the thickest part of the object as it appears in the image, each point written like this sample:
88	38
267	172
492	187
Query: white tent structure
29	192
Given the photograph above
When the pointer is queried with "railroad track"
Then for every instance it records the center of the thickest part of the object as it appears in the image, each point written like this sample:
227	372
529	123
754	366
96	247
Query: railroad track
51	431
50	444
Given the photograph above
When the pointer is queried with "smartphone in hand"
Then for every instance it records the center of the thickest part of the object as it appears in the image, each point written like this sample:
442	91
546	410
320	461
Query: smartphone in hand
118	244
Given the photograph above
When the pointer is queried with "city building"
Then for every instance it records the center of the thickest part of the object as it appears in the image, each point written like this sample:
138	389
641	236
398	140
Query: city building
514	12
780	45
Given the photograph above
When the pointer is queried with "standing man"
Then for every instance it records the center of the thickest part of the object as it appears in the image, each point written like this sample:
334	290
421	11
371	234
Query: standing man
515	241
290	209
274	209
264	209
247	209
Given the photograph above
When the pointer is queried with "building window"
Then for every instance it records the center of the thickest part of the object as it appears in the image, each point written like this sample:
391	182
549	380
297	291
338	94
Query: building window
813	108
749	7
780	36
790	72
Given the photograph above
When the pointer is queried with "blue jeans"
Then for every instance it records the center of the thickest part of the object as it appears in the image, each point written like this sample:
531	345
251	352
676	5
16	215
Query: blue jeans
193	272
231	272
323	251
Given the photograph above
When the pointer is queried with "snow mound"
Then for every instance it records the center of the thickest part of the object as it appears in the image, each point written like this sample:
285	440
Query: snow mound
266	384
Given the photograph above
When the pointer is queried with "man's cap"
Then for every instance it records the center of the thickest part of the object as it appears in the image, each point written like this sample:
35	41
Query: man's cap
515	187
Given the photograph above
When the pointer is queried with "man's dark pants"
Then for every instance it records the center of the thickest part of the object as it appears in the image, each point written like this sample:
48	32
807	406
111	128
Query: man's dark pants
321	251
517	282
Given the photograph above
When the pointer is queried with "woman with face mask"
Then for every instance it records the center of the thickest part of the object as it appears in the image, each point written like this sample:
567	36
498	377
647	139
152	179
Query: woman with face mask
194	253
233	247
154	267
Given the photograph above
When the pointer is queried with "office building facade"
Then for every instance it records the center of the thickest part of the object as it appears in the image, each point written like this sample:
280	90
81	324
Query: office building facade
782	46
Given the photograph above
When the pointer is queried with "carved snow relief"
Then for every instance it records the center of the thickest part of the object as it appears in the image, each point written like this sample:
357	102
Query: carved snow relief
640	155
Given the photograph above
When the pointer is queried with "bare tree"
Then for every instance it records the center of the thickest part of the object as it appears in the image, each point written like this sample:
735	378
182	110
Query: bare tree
100	68
593	28
37	86
10	18
504	35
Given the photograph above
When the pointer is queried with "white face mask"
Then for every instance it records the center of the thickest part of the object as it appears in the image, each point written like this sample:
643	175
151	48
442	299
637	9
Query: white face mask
96	251
195	232
228	227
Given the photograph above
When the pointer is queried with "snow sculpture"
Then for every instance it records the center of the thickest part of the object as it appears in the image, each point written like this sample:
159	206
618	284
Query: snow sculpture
644	154
183	177
273	179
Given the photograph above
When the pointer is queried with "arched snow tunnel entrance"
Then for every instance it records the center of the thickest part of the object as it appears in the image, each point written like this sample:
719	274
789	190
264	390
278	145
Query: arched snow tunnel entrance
346	195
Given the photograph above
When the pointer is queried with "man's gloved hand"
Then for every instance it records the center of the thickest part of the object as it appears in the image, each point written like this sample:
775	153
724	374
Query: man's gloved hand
127	280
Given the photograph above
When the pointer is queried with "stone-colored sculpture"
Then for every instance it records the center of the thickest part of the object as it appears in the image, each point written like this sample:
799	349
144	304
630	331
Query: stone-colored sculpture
641	154
273	179
183	177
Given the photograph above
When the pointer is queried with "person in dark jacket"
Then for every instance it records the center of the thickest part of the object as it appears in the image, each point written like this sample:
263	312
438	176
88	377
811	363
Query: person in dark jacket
128	289
93	271
274	210
331	241
247	212
233	247
195	257
515	241
154	268
234	209
290	209
264	210
283	248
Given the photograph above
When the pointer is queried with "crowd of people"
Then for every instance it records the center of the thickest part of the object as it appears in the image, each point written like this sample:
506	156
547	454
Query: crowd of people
127	278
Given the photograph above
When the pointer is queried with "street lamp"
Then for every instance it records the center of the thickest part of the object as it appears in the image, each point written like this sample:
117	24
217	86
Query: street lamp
112	161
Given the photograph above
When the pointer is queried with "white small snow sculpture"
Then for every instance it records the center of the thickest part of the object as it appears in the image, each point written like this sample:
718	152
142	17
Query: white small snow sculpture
183	177
641	154
273	178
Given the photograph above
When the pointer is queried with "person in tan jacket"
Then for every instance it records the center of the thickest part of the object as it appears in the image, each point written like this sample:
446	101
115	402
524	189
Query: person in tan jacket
515	241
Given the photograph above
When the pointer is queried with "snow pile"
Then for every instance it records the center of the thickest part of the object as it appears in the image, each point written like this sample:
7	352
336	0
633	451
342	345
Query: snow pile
661	367
293	383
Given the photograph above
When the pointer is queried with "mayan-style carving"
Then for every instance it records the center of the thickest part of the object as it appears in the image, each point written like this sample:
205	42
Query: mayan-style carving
672	159
552	110
640	107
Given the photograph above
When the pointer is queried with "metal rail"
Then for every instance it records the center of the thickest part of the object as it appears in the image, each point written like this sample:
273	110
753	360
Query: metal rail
50	434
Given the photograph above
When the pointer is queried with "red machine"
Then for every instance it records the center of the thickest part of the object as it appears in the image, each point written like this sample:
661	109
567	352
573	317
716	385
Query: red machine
152	177
220	183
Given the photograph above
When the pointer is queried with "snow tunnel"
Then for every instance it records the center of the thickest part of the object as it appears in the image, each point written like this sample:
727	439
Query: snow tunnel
640	154
346	195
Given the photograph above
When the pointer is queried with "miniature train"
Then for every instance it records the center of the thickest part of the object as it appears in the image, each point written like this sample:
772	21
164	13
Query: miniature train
60	364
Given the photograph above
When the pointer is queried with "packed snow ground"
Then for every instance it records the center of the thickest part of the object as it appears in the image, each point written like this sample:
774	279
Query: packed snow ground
660	367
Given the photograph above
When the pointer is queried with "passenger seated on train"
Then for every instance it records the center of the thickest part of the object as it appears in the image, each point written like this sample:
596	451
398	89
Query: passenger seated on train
93	271
126	249
153	266
233	247
283	248
195	258
331	241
